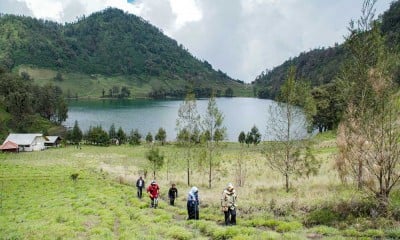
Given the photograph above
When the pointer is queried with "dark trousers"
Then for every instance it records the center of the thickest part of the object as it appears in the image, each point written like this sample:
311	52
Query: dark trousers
193	211
230	216
139	192
154	202
172	201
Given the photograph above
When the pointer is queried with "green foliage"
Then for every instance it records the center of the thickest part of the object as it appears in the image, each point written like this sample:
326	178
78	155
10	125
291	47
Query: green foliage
121	136
161	136
97	136
135	137
323	216
393	233
324	230
149	137
179	233
25	106
156	159
112	134
76	134
242	138
110	42
288	226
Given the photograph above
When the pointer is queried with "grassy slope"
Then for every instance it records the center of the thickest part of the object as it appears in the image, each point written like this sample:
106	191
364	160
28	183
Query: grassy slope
39	201
92	86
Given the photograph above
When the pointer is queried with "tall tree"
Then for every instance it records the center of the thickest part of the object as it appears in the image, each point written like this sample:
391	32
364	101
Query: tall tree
77	134
161	135
289	118
212	125
363	45
242	138
369	135
187	125
135	137
121	136
149	138
156	159
112	132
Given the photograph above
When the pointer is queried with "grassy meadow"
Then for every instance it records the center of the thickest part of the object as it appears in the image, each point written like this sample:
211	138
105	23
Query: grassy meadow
92	86
39	200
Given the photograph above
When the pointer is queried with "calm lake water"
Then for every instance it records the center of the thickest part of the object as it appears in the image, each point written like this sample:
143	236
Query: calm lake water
240	114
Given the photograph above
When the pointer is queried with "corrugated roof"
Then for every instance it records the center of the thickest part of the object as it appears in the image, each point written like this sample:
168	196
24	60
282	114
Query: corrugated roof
23	138
8	145
51	139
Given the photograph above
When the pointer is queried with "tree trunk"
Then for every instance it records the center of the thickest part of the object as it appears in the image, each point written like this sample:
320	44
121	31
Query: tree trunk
209	174
287	182
359	175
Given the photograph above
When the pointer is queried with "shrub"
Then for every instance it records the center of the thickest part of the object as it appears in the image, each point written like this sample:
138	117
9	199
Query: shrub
179	233
324	230
374	233
393	233
222	233
270	235
351	232
288	226
323	216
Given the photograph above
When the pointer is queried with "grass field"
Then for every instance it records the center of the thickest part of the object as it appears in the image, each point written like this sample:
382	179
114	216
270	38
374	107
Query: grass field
92	86
39	200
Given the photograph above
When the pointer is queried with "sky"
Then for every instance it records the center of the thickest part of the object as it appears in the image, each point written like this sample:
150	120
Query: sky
239	37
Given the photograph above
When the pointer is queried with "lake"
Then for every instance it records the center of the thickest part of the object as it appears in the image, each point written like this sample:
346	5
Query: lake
240	114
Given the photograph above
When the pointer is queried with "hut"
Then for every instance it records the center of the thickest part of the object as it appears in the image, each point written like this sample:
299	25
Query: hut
9	146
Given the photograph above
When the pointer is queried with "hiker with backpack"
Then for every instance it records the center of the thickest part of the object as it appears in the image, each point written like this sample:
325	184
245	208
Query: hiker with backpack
153	190
193	204
228	204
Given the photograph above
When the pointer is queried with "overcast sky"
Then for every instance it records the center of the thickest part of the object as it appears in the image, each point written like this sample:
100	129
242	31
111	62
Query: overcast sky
239	37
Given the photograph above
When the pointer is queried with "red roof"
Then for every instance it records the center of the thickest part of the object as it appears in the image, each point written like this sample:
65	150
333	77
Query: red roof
8	145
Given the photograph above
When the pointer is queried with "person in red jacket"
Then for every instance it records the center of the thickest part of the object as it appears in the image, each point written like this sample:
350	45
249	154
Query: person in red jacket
154	190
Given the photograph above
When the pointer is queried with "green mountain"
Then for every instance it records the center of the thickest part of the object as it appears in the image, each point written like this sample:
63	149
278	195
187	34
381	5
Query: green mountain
321	66
107	52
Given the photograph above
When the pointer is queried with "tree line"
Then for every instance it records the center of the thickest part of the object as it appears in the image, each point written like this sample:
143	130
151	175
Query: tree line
98	136
323	69
26	103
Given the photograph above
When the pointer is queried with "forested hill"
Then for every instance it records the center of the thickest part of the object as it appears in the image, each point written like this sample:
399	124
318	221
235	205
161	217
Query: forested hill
109	43
321	66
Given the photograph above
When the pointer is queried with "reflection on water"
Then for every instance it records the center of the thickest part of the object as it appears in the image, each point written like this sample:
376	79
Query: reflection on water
240	114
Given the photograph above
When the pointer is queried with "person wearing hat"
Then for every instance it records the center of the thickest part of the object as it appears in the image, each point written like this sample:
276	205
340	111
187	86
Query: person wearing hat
228	204
193	203
154	190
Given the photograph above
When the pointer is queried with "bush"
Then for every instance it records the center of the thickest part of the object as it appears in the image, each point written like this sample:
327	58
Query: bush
323	216
393	233
324	230
288	226
394	207
374	233
179	233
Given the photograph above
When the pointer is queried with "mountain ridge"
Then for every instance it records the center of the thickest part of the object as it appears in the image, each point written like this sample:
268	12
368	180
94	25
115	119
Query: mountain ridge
111	43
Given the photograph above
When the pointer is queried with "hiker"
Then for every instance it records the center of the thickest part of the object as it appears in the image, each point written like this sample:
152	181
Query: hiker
172	194
193	204
228	204
153	189
140	185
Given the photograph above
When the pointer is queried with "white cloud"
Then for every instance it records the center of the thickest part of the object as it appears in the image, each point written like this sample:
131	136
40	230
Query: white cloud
240	37
46	9
185	11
